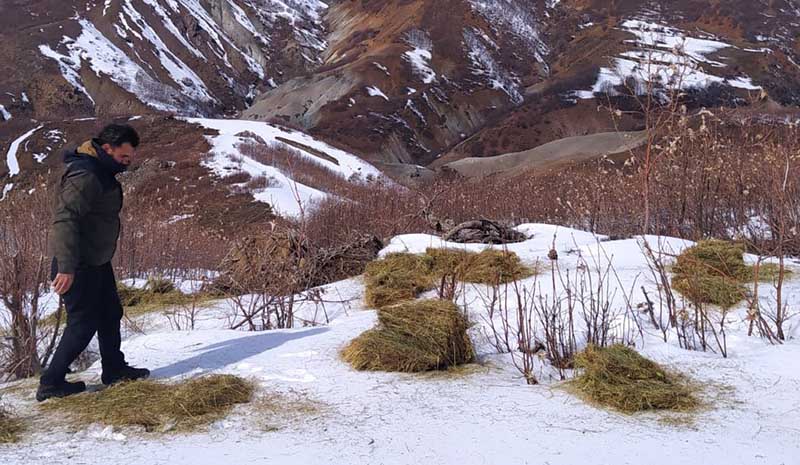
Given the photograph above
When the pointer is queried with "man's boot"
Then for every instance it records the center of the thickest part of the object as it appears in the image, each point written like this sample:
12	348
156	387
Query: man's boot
63	389
126	373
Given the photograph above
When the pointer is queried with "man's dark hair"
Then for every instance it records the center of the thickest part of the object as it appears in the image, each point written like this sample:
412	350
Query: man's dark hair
117	134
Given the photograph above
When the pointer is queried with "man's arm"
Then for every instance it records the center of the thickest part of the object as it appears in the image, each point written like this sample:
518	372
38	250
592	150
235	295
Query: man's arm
76	194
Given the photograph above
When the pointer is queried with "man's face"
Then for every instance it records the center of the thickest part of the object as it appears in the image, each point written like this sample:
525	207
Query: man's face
122	154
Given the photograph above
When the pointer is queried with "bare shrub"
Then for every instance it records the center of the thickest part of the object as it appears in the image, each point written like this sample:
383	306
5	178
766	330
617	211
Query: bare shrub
560	312
24	269
153	242
299	167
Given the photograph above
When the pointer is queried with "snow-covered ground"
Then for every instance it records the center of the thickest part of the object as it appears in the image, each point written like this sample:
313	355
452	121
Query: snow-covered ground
483	415
286	195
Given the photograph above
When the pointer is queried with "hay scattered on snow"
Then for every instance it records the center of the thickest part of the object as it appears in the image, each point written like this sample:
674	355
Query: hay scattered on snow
413	336
159	285
712	272
275	411
494	267
621	378
396	278
158	406
403	276
156	295
10	427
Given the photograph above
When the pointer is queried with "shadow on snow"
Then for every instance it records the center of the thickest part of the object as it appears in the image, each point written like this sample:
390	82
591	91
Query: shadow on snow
231	351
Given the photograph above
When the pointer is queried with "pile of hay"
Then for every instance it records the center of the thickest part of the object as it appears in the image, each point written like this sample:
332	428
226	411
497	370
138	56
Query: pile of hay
396	278
495	267
156	295
712	272
620	378
158	406
10	427
413	336
159	285
403	276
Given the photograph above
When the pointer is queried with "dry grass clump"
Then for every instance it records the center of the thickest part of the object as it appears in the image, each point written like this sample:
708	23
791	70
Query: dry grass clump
487	267
769	272
620	378
156	295
495	266
159	285
158	406
712	272
413	336
10	427
404	276
396	278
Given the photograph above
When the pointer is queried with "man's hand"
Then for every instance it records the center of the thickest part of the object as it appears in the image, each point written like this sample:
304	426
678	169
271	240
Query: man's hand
63	282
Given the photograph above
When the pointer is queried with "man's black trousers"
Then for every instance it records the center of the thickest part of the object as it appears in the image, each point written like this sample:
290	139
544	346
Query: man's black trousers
92	306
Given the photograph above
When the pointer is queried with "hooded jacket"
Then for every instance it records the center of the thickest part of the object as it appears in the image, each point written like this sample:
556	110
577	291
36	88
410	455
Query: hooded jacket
86	220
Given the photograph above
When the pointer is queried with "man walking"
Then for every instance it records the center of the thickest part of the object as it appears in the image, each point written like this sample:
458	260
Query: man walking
83	241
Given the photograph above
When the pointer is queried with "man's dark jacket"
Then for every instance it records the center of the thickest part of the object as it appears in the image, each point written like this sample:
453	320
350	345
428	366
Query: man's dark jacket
86	221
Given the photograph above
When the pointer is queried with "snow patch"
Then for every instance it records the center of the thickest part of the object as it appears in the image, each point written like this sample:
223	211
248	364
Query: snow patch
103	57
519	19
374	91
421	55
287	196
189	82
664	57
11	155
492	71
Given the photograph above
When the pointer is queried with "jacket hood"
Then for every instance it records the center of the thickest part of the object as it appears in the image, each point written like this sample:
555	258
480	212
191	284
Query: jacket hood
92	149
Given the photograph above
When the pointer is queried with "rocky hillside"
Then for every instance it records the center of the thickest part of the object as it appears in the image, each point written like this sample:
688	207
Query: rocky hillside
412	82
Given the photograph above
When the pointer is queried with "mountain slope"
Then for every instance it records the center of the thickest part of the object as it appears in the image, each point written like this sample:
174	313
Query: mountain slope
398	83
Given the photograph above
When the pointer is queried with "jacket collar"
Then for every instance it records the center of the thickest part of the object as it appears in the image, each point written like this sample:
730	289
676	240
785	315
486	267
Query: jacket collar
91	148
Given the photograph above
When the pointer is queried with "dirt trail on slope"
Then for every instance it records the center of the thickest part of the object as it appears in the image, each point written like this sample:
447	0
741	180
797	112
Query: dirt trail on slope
570	149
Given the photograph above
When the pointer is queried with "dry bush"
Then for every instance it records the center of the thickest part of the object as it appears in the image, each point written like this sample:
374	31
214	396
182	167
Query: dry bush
25	344
237	177
378	209
300	168
620	378
158	407
153	243
413	337
558	312
712	175
259	183
263	278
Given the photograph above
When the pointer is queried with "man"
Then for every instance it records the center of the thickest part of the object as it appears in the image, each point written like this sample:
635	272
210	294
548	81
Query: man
83	240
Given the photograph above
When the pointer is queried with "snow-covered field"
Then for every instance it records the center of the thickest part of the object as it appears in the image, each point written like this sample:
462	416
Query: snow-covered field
482	415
